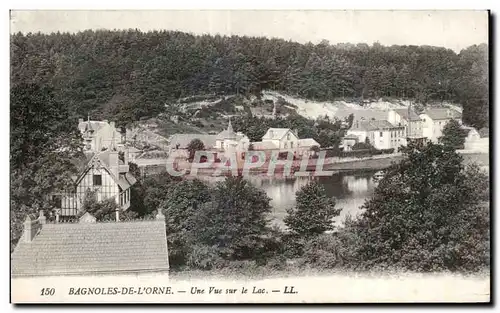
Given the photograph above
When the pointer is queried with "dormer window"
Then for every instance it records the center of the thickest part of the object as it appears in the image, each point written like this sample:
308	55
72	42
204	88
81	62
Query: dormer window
288	136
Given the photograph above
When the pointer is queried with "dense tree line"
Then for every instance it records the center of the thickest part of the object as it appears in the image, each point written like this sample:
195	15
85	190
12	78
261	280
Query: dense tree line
44	145
131	74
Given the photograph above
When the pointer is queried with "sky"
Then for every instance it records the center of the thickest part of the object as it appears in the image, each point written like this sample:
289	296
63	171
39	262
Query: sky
451	29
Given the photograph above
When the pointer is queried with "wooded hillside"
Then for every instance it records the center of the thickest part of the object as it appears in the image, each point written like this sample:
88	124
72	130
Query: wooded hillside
132	74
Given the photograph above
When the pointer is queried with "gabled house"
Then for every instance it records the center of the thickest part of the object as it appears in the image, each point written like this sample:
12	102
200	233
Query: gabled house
90	248
434	120
104	175
281	138
98	135
285	139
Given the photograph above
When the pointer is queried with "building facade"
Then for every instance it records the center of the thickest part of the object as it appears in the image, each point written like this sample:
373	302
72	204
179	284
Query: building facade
99	135
285	139
409	119
435	119
379	133
228	141
105	176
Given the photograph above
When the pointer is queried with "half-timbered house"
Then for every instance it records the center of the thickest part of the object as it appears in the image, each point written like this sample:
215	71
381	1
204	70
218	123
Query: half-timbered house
105	176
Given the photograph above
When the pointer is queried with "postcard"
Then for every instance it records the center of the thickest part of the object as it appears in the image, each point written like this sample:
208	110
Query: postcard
249	156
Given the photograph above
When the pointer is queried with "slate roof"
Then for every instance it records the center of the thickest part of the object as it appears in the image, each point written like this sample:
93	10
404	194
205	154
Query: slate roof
442	114
351	136
93	248
308	142
275	133
183	140
372	125
404	114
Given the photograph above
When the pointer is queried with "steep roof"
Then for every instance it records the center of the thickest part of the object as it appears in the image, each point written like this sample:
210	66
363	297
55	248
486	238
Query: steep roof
124	182
372	125
276	133
308	142
404	114
442	114
93	248
351	136
183	140
227	133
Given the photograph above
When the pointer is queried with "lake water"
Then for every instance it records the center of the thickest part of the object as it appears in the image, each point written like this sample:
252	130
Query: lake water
350	191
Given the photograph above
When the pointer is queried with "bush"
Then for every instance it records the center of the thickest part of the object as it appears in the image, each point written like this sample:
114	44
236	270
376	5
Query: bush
205	258
425	215
292	245
321	252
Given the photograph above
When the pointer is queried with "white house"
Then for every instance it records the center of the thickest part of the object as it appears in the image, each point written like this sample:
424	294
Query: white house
409	119
381	134
285	139
98	135
435	119
281	138
474	141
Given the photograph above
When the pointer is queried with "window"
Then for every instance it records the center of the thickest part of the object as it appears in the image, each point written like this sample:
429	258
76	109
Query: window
97	179
286	145
291	144
288	137
381	134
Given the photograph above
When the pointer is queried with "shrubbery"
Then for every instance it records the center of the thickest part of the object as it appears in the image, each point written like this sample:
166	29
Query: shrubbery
428	213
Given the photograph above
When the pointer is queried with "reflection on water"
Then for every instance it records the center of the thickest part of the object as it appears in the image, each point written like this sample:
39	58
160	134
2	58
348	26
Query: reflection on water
350	190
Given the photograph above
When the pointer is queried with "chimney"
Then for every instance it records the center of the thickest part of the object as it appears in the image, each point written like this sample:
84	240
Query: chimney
271	133
105	121
111	123
160	216
80	120
296	132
